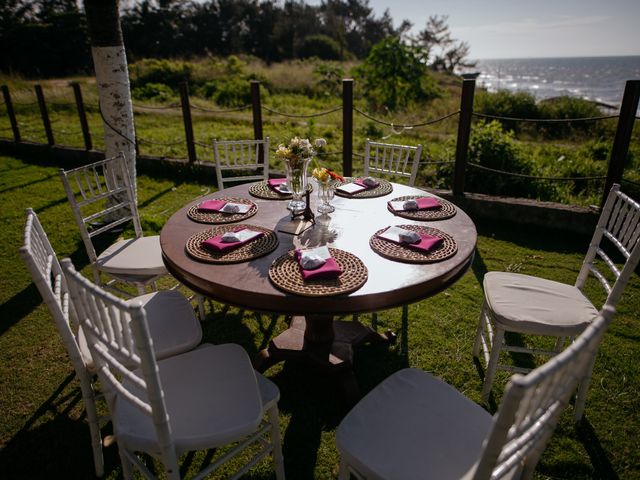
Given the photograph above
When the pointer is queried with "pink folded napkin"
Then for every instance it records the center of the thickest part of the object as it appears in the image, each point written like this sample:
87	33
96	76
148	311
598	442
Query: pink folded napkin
360	181
427	203
425	244
215	244
212	205
275	183
424	203
330	269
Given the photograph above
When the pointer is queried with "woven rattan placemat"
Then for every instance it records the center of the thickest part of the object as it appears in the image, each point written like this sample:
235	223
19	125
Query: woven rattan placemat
264	191
285	274
218	217
446	210
401	253
384	188
254	249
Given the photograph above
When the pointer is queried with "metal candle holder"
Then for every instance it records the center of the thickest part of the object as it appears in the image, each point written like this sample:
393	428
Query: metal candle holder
306	214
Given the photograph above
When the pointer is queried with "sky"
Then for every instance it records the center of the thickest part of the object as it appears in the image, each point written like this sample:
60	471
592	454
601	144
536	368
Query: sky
530	28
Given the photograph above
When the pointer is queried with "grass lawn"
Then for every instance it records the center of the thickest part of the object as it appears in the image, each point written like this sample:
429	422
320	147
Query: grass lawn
42	429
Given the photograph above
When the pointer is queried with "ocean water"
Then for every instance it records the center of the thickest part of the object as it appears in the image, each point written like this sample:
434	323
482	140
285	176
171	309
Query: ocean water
600	79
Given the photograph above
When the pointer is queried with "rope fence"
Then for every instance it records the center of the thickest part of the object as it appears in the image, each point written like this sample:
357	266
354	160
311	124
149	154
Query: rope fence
229	110
532	177
161	144
156	107
628	114
406	126
25	104
310	115
62	104
543	120
637	184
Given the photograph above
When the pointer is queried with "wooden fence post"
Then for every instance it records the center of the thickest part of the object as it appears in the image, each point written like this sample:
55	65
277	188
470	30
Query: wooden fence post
624	130
347	127
464	133
186	117
44	114
256	108
82	115
11	113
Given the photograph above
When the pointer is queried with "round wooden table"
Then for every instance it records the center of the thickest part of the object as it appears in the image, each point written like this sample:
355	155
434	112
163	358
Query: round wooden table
313	335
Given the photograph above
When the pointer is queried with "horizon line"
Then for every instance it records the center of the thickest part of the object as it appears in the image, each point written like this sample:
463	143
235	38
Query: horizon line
553	57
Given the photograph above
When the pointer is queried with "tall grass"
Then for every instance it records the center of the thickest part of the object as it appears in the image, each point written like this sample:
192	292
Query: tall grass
294	89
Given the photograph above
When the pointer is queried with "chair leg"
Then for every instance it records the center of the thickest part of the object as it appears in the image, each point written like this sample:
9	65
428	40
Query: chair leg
96	437
559	344
374	321
478	340
278	459
89	398
141	289
479	331
201	313
404	342
127	466
496	346
583	388
343	473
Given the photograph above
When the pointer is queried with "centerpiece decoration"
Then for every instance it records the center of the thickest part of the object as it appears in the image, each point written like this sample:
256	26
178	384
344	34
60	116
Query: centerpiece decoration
296	157
327	182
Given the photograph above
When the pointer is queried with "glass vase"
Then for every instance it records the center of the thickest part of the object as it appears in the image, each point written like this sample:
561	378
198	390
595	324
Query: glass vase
326	192
296	170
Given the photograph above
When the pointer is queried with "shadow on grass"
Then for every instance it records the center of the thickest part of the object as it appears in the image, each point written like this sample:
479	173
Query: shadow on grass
51	444
533	237
597	454
18	307
155	197
27	184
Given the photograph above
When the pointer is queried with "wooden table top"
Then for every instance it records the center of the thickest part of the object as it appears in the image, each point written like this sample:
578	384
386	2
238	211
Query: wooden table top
390	283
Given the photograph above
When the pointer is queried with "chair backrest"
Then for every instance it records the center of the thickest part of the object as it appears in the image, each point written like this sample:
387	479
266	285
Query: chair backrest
533	403
46	272
619	225
119	339
390	159
237	155
101	197
42	263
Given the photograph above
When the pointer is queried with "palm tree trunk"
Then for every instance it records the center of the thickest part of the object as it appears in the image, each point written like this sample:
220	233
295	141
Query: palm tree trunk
112	80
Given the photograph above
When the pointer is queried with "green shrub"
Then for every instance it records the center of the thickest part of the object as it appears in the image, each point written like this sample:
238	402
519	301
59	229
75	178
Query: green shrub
320	46
153	91
233	92
394	76
329	77
507	104
167	72
490	146
566	108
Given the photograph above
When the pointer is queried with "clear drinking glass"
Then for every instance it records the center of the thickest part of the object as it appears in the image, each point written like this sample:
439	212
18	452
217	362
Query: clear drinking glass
326	192
297	181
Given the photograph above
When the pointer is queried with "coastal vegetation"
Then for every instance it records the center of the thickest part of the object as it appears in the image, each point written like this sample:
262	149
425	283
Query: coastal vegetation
577	152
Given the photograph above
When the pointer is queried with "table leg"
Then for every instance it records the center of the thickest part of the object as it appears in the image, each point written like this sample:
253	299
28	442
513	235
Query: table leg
324	344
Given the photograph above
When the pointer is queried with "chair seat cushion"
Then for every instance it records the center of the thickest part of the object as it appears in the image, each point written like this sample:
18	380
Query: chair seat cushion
527	304
173	325
212	398
135	256
414	426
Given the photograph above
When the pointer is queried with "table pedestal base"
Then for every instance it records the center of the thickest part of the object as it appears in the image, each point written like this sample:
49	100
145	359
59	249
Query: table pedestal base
323	344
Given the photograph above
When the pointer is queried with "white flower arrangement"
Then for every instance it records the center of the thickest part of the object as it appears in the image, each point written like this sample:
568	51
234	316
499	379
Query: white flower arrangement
300	148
